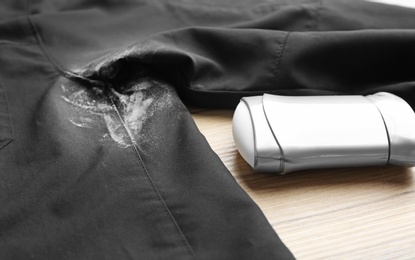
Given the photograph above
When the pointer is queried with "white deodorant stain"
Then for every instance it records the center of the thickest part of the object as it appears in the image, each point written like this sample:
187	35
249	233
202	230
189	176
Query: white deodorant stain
94	109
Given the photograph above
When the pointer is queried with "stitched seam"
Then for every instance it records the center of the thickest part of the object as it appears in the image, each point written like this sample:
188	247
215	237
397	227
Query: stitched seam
318	14
248	92
279	58
147	174
10	138
78	77
40	40
66	73
230	7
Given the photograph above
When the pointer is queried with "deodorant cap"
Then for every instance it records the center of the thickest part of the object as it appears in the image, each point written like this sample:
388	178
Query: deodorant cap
284	134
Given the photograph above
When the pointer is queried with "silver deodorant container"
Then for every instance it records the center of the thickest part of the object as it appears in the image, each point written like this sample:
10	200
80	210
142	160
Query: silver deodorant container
284	134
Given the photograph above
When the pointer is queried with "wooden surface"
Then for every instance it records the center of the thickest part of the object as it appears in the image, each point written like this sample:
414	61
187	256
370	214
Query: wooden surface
353	213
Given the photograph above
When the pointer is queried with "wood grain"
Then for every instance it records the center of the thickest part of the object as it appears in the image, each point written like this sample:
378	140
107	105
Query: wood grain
350	213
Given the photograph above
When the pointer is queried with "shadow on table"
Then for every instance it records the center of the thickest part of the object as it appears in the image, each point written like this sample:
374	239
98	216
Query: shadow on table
382	175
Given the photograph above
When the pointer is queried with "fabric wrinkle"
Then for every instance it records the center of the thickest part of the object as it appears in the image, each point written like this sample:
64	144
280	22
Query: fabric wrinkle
106	159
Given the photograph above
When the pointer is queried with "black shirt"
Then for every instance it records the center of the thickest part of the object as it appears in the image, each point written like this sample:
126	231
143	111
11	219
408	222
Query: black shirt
100	159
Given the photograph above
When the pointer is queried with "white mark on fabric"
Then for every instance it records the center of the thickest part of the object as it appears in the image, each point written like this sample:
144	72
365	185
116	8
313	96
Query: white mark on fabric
93	109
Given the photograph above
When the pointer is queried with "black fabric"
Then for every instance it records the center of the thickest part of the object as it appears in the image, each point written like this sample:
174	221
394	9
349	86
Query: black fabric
100	159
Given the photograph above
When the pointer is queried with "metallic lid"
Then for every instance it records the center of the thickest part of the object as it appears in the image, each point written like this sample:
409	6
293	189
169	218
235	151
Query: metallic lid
399	120
284	134
254	138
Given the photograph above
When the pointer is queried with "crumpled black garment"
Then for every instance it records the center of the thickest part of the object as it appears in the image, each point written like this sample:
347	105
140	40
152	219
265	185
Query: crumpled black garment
100	159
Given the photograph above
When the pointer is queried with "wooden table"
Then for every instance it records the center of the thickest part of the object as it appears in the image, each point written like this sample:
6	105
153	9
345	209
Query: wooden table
353	213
